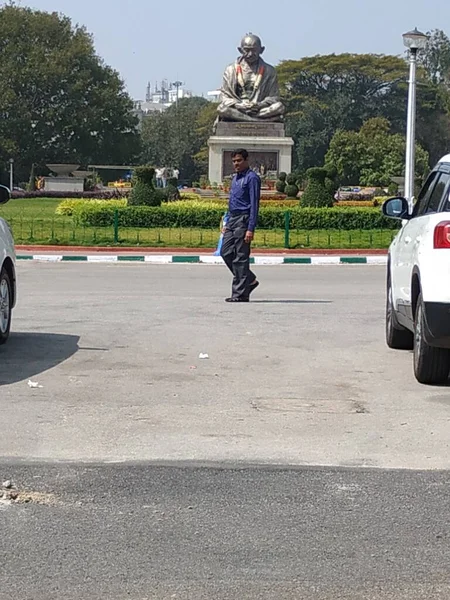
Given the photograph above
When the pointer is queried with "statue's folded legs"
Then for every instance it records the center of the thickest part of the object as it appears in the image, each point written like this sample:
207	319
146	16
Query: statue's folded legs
272	113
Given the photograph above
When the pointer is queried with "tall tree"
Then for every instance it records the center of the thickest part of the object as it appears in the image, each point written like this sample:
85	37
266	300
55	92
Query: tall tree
175	137
372	155
435	59
59	102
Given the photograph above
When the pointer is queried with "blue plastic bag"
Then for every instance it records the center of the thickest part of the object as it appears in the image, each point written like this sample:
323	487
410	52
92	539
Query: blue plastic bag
219	245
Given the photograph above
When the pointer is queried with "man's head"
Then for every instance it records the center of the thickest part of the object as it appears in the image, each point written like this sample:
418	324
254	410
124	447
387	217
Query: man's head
251	48
240	160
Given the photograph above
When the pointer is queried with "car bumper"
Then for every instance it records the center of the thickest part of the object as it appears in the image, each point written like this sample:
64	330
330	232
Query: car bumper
437	319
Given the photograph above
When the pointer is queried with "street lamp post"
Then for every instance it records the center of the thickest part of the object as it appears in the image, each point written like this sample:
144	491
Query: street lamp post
11	174
414	41
177	85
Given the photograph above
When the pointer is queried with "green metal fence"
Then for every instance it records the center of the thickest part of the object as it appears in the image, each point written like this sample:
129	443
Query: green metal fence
62	231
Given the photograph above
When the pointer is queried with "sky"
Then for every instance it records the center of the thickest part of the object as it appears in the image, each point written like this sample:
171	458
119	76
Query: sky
193	40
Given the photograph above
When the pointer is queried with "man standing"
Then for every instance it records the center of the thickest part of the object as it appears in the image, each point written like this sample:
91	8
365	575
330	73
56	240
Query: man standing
158	174
240	228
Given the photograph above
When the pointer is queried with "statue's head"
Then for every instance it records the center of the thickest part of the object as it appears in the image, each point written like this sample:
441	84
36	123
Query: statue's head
251	48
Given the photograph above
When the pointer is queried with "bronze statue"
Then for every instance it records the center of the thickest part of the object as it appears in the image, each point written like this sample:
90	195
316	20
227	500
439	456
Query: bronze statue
250	87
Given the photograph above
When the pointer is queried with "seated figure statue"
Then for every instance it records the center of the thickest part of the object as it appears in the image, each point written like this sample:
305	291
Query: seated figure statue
250	87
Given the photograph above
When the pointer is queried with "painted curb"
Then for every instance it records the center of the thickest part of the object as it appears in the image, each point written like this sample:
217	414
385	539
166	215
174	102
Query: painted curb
206	260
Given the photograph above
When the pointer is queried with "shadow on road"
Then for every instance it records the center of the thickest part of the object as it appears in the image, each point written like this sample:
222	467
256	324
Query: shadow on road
292	302
28	354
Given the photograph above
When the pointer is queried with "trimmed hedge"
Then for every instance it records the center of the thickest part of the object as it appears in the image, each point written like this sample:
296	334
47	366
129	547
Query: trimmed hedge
210	218
68	208
104	195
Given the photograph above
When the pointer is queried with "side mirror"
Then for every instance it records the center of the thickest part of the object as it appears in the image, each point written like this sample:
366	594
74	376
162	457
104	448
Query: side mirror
396	208
4	194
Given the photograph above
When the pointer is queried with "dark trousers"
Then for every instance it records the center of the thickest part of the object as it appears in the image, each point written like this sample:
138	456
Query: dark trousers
236	255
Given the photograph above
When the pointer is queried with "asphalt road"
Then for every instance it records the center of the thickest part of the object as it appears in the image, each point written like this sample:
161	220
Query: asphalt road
152	474
299	376
190	533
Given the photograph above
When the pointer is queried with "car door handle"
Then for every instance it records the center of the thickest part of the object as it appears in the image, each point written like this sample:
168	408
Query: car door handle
408	240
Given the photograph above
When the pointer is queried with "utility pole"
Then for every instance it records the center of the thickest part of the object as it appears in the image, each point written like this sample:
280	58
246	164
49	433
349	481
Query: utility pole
414	41
11	174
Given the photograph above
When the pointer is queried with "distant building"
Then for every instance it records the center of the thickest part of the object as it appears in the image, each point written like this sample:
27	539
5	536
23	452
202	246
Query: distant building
166	93
214	96
159	98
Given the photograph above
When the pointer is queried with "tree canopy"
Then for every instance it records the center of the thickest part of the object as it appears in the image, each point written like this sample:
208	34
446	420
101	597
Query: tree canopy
325	94
372	155
178	136
59	102
435	59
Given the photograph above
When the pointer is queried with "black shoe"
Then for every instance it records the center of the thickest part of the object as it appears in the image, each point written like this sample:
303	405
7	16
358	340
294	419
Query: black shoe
237	299
253	287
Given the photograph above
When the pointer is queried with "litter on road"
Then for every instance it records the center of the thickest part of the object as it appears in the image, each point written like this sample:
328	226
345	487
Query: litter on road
34	385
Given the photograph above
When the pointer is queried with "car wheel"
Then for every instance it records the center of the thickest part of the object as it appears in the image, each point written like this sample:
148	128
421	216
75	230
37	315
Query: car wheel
431	365
397	337
5	306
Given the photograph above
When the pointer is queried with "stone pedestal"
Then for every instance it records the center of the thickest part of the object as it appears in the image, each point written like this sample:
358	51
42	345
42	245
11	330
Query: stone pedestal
269	149
63	184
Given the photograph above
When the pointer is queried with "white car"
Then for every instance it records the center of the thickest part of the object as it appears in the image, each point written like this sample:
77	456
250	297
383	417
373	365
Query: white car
8	293
418	277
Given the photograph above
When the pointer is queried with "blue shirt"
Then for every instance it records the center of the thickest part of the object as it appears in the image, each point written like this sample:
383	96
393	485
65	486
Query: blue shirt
244	196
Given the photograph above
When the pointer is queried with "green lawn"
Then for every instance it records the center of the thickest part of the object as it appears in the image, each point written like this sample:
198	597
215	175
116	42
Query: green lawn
33	221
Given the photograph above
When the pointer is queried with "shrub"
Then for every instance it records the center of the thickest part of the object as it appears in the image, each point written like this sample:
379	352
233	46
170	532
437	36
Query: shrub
204	182
316	194
145	174
144	192
331	180
69	208
291	179
291	191
358	203
172	191
177	214
144	195
190	196
282	176
392	189
103	195
280	186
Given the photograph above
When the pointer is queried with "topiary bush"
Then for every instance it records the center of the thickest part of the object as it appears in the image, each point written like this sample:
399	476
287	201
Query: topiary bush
331	180
291	191
393	189
282	176
144	192
280	186
291	179
172	191
317	193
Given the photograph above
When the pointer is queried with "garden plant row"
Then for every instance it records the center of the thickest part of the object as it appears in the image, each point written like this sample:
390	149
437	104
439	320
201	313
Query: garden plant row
185	214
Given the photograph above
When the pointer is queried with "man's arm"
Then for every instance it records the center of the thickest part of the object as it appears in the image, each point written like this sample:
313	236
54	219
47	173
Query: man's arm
255	194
